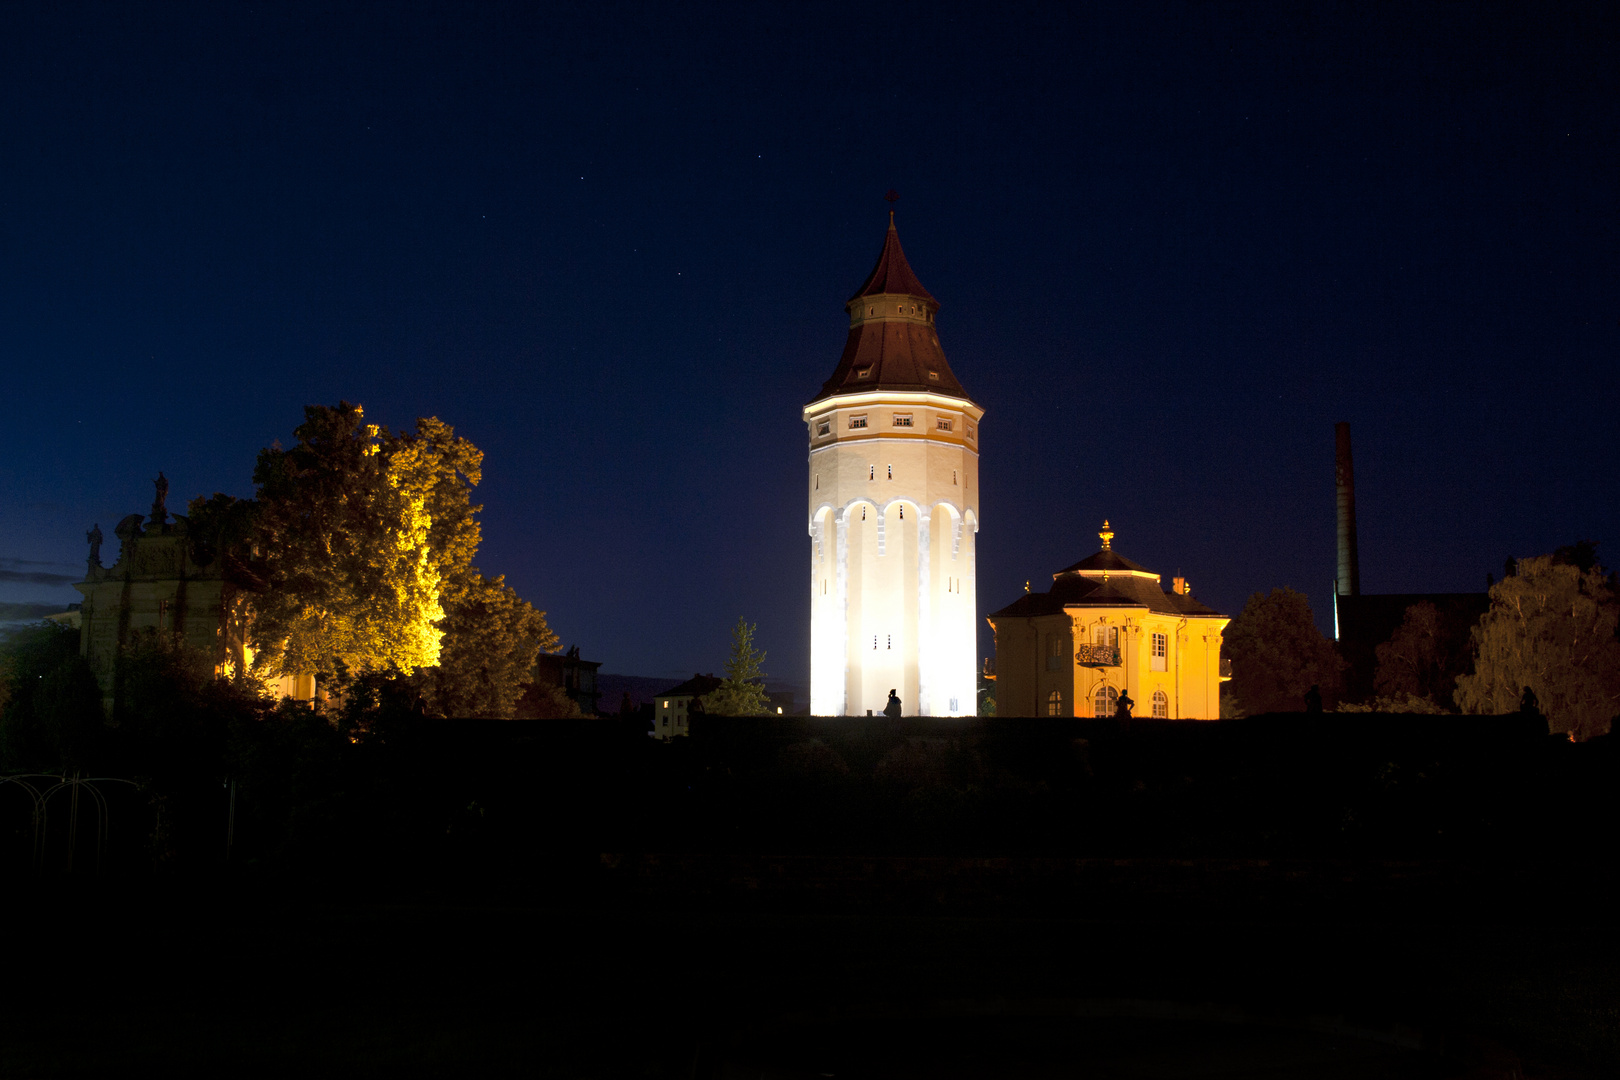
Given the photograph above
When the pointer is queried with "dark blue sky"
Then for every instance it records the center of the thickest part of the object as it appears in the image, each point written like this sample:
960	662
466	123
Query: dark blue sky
611	245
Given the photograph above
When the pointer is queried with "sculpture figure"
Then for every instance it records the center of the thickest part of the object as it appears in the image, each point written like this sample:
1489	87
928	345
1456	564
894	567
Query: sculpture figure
160	511
94	537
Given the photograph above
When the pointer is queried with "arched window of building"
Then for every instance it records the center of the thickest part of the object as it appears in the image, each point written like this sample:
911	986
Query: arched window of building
1104	701
1161	705
1054	703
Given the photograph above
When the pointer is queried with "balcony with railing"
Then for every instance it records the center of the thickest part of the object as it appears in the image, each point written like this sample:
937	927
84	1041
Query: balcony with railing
1097	656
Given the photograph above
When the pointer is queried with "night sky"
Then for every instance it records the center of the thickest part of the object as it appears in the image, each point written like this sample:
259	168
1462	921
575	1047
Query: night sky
1173	244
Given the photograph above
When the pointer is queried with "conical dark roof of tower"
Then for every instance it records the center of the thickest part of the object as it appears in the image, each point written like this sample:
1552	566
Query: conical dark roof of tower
892	344
892	274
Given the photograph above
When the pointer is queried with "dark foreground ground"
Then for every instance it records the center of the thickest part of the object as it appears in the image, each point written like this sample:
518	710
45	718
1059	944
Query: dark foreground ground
1138	905
229	984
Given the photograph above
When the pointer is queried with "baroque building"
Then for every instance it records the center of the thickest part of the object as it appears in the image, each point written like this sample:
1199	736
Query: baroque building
1106	627
170	582
893	509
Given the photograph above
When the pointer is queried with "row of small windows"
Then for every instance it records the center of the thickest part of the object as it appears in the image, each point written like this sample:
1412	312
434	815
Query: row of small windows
901	309
900	420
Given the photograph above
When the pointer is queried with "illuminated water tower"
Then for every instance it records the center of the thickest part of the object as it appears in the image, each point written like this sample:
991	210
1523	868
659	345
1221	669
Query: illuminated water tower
894	506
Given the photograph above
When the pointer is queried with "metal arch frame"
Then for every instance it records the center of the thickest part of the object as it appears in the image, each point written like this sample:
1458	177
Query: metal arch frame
41	810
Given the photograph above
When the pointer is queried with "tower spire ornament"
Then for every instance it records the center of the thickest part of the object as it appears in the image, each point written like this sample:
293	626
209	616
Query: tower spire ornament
1107	536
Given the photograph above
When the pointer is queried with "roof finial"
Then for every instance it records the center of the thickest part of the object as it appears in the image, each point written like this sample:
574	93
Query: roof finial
1107	535
891	197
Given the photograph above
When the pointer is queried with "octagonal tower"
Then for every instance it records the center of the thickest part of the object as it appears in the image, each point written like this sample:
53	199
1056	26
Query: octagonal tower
894	506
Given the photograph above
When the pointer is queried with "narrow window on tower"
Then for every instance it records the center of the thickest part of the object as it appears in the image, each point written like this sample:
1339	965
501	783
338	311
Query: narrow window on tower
902	513
857	422
891	472
871	472
863	513
941	423
874	642
953	477
818	481
891	641
902	419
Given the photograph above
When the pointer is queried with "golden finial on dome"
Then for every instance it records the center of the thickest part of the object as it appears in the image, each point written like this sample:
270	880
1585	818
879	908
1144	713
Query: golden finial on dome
1107	535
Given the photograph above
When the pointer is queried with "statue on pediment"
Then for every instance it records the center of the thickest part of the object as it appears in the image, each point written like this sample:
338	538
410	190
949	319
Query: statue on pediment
160	509
94	538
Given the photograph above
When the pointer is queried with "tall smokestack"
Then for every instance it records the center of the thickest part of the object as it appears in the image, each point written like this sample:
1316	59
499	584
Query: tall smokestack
1348	582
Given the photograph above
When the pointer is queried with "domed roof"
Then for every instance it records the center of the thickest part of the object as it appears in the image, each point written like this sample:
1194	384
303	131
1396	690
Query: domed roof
892	343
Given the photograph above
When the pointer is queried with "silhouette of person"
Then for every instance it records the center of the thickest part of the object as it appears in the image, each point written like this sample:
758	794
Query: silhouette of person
892	709
1122	707
1529	704
1313	699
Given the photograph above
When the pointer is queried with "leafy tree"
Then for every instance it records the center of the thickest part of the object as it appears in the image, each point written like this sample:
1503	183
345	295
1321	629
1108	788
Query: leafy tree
50	705
1422	659
353	586
491	639
1278	654
742	691
1551	627
544	702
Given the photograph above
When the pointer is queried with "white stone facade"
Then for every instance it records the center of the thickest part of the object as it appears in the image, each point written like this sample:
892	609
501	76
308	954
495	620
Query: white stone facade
893	515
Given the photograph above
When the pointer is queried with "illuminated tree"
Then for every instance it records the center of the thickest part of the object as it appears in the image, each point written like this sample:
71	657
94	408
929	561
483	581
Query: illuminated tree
342	527
357	560
742	691
1551	627
1278	654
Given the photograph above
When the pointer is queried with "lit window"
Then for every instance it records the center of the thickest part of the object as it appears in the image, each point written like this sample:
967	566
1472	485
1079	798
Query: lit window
862	373
942	423
933	376
1161	705
1104	701
1159	648
1054	703
902	419
857	422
